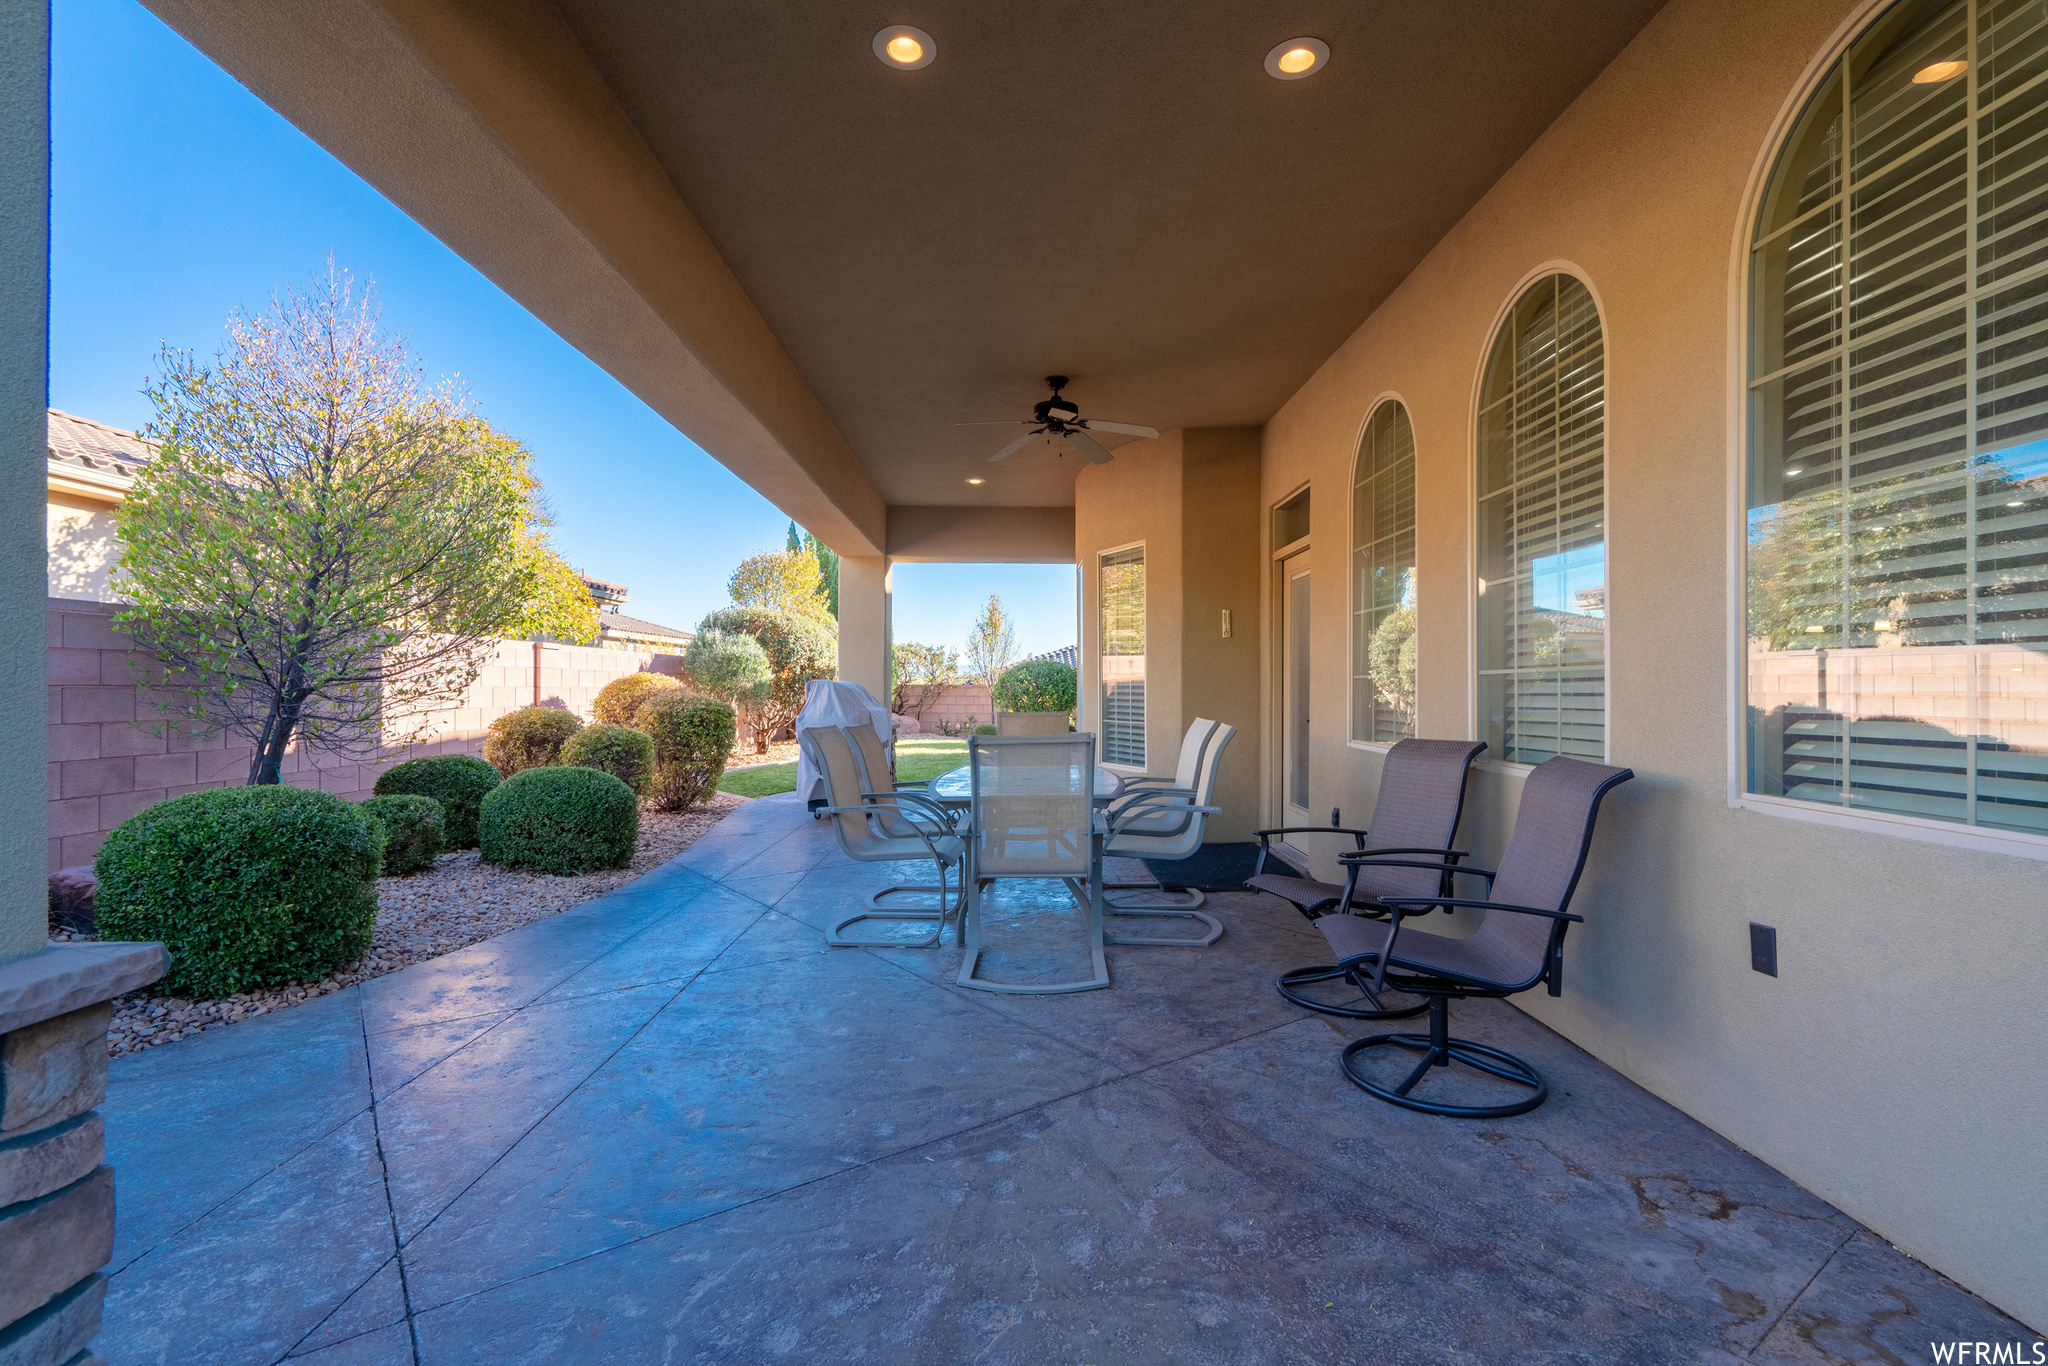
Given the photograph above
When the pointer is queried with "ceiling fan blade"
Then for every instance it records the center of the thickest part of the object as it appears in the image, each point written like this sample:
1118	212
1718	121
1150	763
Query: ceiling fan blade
1085	444
1121	428
1010	422
1019	444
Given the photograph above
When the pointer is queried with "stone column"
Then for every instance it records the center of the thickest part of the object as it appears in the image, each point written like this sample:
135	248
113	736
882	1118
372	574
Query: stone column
864	628
56	1195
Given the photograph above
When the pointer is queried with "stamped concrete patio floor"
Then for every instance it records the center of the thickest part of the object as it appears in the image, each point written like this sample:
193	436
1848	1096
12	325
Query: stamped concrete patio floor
672	1126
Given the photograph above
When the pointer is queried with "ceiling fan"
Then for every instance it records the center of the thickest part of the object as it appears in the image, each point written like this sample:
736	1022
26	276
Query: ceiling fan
1058	418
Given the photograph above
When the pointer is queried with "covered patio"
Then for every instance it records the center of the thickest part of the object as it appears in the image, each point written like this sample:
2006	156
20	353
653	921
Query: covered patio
672	1126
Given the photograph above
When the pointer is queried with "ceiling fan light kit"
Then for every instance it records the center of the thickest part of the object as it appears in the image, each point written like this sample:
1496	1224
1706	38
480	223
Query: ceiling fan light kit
1059	419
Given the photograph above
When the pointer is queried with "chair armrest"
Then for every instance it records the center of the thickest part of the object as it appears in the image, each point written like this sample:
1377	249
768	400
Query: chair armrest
1313	830
909	806
1453	855
1433	902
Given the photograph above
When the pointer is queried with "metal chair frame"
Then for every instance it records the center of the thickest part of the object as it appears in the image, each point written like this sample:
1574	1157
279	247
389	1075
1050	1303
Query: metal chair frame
1089	895
926	820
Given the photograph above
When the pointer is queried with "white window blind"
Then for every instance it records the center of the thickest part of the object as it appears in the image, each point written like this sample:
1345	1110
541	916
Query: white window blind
1897	470
1542	539
1122	588
1383	579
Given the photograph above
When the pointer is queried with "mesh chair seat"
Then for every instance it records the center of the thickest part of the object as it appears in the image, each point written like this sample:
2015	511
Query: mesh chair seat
1306	893
1479	958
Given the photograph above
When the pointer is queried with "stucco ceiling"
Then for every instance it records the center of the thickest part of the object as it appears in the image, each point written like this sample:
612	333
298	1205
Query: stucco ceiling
1116	192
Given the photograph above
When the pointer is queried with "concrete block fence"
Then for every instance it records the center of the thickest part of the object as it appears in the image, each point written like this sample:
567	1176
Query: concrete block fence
112	753
953	705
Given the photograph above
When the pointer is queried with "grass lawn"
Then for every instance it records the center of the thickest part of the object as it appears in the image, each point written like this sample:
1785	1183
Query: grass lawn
918	758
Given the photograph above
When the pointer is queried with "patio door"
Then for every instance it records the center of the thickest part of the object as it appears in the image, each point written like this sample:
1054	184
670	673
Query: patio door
1294	634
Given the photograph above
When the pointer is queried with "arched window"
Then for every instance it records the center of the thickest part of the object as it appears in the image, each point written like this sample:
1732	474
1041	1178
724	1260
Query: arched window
1896	473
1542	530
1383	579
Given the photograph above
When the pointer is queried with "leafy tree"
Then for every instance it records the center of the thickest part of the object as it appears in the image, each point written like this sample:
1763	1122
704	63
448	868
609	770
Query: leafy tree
992	644
780	581
1037	685
828	571
1390	661
934	666
799	649
732	667
325	548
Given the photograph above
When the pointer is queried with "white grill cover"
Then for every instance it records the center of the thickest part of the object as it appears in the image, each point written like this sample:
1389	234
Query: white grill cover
828	702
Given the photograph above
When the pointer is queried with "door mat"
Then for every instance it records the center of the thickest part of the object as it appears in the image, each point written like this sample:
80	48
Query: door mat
1216	867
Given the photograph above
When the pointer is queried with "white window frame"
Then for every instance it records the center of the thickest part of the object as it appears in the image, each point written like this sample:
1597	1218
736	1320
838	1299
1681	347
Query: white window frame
1471	494
1917	828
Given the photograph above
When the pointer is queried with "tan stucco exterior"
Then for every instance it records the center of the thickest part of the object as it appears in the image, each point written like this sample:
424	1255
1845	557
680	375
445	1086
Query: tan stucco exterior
1192	498
1895	1066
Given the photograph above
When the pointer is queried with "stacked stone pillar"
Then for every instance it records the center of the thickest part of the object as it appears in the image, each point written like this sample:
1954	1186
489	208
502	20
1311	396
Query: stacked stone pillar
56	1192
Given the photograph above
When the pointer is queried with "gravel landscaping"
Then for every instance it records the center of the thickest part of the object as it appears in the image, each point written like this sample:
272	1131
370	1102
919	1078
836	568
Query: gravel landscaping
457	902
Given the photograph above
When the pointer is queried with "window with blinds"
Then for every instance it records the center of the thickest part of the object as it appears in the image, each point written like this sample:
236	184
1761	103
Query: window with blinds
1896	480
1542	538
1122	591
1383	579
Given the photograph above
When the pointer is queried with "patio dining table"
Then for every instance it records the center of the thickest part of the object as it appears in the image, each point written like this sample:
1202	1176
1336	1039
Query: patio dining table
955	789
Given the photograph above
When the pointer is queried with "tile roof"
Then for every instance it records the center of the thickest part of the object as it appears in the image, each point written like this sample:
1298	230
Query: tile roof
85	444
617	623
1069	655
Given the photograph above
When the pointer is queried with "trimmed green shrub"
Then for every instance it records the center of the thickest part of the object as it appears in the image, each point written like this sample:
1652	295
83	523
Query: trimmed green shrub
247	886
1037	685
621	751
414	830
531	737
560	820
621	699
692	742
459	782
983	730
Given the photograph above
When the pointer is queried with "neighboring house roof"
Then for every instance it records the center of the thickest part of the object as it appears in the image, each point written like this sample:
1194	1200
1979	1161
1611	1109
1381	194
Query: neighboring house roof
603	592
1069	655
618	624
91	457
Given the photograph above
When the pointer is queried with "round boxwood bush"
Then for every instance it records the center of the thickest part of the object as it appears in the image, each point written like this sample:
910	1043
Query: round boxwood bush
531	737
1037	685
459	782
413	828
560	820
621	751
620	700
247	886
692	741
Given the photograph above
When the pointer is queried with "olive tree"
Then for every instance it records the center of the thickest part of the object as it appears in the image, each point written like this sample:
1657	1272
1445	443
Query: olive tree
325	548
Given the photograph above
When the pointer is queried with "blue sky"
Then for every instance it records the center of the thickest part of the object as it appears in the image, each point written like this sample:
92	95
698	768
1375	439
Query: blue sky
178	195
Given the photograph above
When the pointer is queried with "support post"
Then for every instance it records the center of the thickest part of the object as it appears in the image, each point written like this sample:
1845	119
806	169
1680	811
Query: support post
56	1192
865	639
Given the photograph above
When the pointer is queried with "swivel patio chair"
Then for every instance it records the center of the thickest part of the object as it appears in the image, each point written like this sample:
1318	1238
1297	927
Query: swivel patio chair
1422	794
1519	944
1169	823
1033	816
876	821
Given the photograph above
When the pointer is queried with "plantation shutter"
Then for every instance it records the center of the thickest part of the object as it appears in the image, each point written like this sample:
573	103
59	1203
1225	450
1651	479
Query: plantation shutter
1123	657
1542	518
1383	578
1898	473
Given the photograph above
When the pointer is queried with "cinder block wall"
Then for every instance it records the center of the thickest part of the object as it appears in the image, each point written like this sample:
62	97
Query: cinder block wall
112	753
954	704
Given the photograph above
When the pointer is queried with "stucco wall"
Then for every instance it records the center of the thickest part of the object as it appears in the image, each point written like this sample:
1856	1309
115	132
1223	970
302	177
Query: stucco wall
82	549
111	753
1193	498
1895	1065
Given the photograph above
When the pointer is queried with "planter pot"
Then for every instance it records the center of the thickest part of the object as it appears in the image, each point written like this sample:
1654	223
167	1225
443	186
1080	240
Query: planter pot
1031	723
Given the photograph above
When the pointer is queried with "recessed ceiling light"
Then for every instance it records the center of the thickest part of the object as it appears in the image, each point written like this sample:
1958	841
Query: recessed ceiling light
905	48
974	481
1297	57
1939	72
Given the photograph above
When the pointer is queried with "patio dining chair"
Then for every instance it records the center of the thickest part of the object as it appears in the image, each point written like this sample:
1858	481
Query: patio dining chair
1033	816
1161	823
1519	944
876	821
1421	796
